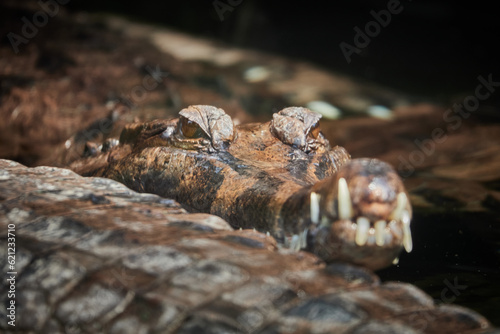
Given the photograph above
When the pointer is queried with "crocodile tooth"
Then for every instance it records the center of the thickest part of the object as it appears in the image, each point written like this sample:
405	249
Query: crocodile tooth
325	222
395	261
303	239
314	206
363	225
380	232
400	206
295	243
344	199
286	242
407	241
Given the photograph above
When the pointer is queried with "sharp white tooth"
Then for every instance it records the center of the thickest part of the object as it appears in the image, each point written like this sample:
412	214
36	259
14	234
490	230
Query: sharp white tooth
380	232
303	239
407	241
344	199
295	243
362	231
402	200
395	261
314	206
325	222
286	242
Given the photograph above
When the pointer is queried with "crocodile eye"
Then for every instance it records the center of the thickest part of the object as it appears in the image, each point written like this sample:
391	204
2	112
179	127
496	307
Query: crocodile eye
190	129
299	128
315	130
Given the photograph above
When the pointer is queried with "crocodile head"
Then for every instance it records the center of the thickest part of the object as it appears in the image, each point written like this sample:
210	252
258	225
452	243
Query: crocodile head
281	177
363	215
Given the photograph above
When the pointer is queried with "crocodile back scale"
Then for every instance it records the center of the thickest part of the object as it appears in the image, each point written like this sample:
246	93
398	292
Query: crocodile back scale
281	177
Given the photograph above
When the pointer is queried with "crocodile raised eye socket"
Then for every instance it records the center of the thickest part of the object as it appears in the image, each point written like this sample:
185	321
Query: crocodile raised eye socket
315	130
299	127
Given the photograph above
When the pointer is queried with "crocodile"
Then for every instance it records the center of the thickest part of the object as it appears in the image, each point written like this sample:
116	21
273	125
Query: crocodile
281	177
93	256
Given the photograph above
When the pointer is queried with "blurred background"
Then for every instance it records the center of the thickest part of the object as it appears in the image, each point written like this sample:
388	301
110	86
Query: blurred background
72	77
430	48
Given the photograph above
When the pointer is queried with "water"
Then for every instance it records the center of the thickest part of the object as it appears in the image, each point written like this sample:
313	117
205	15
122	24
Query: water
455	259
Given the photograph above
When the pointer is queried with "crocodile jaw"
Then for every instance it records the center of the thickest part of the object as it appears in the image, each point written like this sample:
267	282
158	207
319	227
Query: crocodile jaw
362	215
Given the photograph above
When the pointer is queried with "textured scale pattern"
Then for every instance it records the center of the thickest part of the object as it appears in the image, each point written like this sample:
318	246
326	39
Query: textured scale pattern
268	176
96	257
